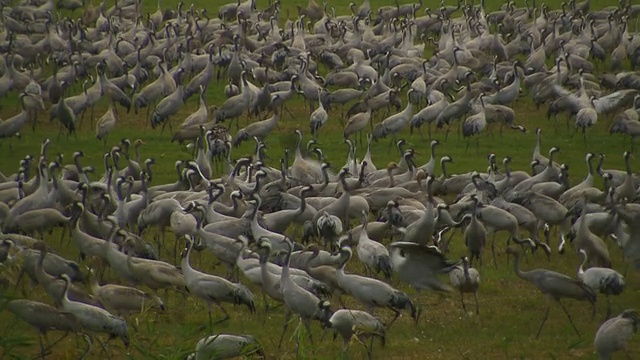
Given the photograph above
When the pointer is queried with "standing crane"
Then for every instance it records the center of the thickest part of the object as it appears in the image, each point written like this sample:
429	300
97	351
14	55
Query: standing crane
475	234
465	280
601	280
474	124
12	126
107	123
300	301
319	116
394	123
554	286
373	254
67	117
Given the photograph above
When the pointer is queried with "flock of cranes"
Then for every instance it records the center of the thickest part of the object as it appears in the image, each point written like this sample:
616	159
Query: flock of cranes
249	215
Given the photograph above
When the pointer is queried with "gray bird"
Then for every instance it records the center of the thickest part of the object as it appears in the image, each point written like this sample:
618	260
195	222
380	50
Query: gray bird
465	280
44	318
614	333
554	286
226	346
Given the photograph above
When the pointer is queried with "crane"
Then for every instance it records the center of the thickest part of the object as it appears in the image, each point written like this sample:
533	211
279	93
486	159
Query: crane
465	280
226	346
614	333
373	254
554	286
213	289
349	323
300	301
601	280
94	318
372	292
44	318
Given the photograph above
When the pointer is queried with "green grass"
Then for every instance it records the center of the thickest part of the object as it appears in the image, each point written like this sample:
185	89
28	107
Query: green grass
510	309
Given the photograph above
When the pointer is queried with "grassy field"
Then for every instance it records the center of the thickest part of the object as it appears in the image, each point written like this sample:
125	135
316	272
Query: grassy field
510	309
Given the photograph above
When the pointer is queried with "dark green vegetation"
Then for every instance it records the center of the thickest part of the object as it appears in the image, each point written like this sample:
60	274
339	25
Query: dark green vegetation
510	309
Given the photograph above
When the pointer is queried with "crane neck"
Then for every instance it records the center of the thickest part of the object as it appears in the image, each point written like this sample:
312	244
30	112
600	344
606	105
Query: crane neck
516	267
185	258
582	264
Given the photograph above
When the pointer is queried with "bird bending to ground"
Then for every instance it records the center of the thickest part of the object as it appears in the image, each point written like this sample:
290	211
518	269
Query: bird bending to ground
226	346
44	318
614	333
349	323
214	289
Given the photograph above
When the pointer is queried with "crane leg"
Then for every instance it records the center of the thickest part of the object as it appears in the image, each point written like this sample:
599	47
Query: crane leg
475	296
307	326
104	348
395	316
546	315
91	118
445	247
370	348
287	319
224	311
210	320
464	307
86	338
42	350
266	304
569	317
175	249
45	350
493	250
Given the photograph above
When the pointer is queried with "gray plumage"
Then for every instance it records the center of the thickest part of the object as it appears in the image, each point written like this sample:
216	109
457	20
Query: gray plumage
554	286
418	265
349	323
226	346
372	292
44	318
214	289
613	334
601	280
465	280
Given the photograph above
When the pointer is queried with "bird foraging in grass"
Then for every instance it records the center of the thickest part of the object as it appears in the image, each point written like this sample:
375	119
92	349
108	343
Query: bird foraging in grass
613	334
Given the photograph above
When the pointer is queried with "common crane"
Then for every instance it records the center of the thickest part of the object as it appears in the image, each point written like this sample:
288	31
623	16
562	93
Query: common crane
554	286
613	334
372	292
601	280
465	279
213	289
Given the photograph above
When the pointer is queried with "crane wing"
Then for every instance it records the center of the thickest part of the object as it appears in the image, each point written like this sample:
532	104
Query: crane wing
614	100
563	286
427	257
559	91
